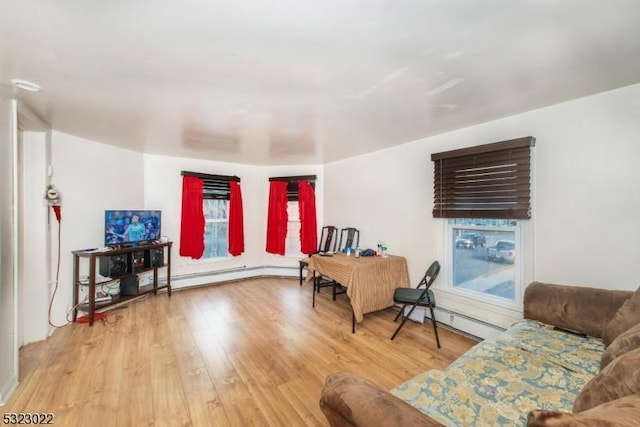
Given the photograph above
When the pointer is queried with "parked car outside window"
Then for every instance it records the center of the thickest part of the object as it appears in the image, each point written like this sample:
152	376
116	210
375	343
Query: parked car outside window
504	251
470	240
469	271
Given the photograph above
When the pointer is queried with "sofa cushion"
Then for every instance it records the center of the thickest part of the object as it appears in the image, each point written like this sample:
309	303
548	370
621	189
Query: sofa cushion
619	378
621	412
371	404
576	353
572	307
498	381
624	343
627	316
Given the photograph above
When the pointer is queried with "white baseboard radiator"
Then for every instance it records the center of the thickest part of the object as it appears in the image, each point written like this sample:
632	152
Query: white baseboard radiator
230	274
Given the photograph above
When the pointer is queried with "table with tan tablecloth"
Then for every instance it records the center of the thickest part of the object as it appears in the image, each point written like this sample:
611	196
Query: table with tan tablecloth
370	281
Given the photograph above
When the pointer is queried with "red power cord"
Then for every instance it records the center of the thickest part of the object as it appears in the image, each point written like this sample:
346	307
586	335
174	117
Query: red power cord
56	210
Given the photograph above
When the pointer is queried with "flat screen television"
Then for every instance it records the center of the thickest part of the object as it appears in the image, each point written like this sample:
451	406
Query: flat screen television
131	227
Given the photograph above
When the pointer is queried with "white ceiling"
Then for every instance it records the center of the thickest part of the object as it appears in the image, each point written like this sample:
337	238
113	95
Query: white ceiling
305	81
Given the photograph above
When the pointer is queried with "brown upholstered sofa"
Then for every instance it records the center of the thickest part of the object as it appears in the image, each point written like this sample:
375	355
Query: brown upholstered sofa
608	393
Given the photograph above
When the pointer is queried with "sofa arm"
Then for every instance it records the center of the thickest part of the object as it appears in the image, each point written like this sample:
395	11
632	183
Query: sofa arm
582	309
349	400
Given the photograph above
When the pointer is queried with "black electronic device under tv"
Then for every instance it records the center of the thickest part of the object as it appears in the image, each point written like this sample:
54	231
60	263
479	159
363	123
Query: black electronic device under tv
131	227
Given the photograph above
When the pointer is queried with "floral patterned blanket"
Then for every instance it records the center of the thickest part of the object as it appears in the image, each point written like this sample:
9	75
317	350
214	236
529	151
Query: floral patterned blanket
498	381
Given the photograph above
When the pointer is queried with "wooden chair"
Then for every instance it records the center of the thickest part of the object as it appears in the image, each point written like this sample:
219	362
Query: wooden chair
328	243
349	238
421	296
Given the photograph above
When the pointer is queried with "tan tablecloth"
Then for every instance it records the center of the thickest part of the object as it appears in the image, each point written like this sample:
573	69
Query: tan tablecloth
370	281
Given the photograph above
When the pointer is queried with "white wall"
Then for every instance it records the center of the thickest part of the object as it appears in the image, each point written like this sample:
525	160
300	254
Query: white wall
386	196
585	225
91	177
587	191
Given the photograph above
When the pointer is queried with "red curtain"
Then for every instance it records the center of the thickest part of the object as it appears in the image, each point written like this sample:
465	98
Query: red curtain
192	223
236	224
308	225
277	217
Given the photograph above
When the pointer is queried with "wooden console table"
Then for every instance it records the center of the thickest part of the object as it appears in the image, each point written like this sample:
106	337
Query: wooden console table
118	264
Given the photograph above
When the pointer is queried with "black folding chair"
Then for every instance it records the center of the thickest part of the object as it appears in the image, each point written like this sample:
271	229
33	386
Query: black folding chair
421	296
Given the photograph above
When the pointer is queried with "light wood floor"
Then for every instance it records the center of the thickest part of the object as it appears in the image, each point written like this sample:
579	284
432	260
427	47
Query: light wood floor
252	352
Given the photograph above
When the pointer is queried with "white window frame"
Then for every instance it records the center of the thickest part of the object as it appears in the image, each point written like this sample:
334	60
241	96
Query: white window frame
216	220
519	275
292	242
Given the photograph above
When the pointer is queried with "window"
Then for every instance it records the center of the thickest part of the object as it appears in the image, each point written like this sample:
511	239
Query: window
215	206
300	226
293	229
218	195
484	191
484	257
216	229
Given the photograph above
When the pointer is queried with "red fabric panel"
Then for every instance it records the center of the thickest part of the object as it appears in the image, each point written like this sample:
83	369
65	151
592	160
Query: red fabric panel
192	223
277	218
236	222
308	224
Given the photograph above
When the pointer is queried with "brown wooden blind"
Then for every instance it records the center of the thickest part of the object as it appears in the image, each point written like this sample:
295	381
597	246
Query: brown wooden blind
292	184
215	186
486	181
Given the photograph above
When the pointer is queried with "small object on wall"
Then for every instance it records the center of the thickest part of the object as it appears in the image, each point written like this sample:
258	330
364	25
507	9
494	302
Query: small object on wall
52	195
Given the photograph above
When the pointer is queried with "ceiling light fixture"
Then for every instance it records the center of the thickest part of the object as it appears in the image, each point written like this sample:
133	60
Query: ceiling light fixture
26	85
